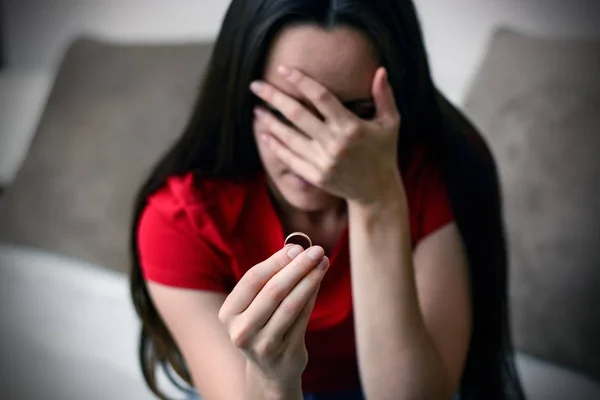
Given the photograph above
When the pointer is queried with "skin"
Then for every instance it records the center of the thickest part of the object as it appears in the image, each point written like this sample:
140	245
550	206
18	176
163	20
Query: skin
339	63
321	169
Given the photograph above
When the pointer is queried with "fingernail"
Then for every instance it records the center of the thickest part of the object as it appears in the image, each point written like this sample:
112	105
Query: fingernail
324	264
316	253
256	87
295	252
285	71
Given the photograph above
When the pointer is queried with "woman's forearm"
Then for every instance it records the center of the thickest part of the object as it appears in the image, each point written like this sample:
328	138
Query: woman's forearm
258	387
397	358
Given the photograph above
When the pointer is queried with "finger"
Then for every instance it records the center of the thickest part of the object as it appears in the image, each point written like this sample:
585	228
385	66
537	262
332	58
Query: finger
255	279
383	94
288	135
290	108
322	98
297	330
279	287
307	169
293	313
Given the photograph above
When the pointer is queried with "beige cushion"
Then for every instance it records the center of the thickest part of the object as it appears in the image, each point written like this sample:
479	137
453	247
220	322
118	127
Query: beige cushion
112	111
537	102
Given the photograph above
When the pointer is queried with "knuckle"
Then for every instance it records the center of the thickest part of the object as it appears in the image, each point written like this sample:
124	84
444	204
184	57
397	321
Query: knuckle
268	92
291	308
353	129
327	165
253	277
267	121
315	279
313	176
223	316
274	293
240	336
298	79
281	260
335	148
265	347
295	112
321	180
323	95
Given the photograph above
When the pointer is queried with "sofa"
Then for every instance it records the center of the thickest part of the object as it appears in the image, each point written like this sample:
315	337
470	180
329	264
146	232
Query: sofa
113	110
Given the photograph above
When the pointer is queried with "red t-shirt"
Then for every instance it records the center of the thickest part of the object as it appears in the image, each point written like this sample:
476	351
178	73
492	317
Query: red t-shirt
208	236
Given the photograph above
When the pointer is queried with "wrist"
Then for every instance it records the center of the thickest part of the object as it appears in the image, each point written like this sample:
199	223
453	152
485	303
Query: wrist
385	217
261	387
390	196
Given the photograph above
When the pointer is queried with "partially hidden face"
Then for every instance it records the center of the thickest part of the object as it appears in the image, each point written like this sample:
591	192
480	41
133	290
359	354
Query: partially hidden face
343	60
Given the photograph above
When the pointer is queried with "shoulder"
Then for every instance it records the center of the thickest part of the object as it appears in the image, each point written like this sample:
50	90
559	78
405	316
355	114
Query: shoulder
196	203
182	233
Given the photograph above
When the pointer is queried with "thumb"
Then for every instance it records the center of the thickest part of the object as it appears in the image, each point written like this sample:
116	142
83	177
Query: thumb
383	94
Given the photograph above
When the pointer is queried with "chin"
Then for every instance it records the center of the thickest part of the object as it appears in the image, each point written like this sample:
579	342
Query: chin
304	197
307	203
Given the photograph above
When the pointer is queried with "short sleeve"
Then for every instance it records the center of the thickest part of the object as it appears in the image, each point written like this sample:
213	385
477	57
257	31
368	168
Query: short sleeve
173	253
436	211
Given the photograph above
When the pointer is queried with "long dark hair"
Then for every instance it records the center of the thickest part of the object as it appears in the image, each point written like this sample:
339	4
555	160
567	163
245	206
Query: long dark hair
218	143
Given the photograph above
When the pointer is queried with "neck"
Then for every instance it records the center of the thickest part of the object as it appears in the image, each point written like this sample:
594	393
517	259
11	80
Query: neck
300	219
323	226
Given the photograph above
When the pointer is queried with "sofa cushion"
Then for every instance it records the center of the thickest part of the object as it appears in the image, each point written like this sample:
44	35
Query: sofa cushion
112	111
543	380
70	327
536	102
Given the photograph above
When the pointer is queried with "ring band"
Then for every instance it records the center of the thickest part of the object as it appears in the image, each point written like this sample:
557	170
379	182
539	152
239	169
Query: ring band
298	238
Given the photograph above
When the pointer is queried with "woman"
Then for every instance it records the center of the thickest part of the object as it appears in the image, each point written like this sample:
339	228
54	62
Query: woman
322	117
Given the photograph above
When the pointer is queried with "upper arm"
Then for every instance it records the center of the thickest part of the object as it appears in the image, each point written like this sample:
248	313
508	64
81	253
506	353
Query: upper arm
216	366
187	278
442	280
440	266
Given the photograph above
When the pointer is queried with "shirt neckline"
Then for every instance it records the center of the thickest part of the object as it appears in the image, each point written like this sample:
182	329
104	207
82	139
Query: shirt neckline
277	237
